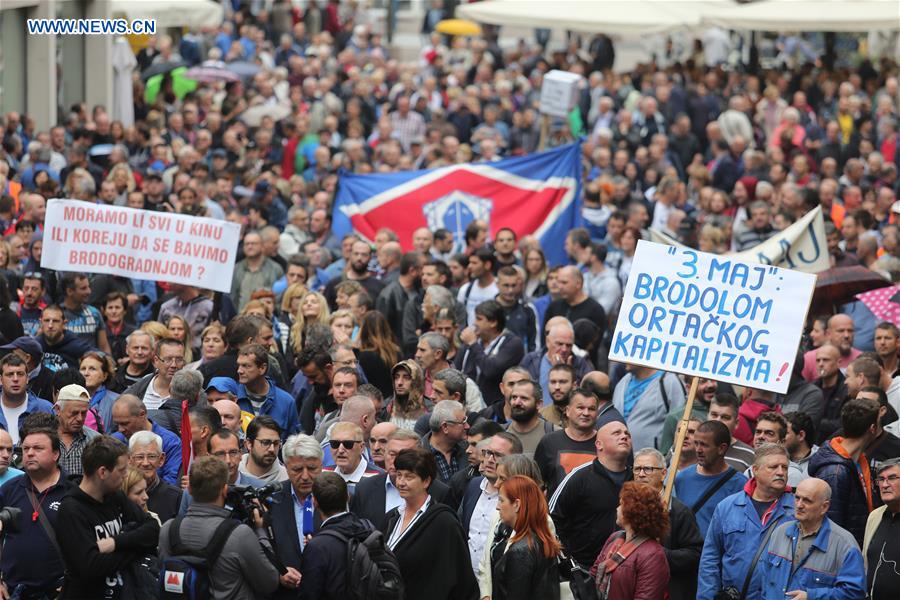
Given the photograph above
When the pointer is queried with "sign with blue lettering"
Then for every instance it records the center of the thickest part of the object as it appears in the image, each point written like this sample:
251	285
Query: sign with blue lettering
712	316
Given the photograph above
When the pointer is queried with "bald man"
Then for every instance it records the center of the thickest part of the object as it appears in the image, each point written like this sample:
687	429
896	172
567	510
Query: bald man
812	555
839	332
573	302
231	415
558	351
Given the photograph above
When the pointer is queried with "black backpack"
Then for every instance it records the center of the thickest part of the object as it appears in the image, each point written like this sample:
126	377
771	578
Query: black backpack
185	574
373	572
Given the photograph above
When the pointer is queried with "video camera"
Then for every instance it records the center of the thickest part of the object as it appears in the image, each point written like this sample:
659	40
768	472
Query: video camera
10	519
242	499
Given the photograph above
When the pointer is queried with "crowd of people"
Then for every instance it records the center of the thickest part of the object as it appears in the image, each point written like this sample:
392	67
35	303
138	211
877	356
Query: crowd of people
445	403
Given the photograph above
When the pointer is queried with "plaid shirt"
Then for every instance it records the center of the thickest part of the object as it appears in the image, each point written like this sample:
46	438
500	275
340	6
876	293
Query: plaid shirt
70	457
445	469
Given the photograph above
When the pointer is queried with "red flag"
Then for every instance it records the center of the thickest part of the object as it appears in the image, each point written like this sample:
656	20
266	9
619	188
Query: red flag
187	447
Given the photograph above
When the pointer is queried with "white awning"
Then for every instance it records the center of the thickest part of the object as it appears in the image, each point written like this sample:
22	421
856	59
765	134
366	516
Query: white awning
170	13
806	15
612	17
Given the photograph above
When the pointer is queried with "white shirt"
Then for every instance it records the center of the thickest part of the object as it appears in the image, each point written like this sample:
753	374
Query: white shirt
12	419
398	532
893	396
392	497
476	297
480	524
151	399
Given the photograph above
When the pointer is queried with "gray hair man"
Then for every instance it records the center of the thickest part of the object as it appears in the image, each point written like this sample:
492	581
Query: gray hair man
186	386
147	456
447	438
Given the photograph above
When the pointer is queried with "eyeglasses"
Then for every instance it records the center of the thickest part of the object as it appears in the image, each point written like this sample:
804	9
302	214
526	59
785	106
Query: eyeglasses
33	275
492	454
172	360
269	443
891	479
455	422
228	453
647	470
347	444
143	457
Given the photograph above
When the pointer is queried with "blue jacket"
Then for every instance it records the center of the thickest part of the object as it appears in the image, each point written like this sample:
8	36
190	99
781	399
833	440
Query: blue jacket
831	570
732	540
33	404
279	405
171	446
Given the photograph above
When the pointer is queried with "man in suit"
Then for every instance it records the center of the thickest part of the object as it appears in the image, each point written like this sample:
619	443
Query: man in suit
376	496
294	518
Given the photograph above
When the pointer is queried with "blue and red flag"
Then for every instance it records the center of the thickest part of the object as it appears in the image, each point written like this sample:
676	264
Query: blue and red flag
538	194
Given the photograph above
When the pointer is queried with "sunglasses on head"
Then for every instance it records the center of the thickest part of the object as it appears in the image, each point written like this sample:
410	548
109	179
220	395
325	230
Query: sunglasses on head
347	444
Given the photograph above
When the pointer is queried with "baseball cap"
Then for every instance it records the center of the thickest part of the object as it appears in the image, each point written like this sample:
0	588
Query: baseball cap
219	153
25	343
225	385
73	391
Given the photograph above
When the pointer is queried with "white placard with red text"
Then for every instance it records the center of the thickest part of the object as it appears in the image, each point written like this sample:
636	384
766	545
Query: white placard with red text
83	237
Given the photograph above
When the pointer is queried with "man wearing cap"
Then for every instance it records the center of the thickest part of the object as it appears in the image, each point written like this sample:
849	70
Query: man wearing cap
222	389
40	380
881	545
16	402
584	505
71	409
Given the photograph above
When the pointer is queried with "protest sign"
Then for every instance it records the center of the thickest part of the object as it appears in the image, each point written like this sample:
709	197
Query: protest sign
802	246
83	237
712	316
559	91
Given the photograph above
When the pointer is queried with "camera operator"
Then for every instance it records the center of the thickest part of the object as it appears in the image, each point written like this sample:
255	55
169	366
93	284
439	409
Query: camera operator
242	569
31	563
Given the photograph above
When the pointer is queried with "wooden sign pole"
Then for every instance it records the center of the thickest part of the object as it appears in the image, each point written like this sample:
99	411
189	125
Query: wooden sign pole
545	132
679	440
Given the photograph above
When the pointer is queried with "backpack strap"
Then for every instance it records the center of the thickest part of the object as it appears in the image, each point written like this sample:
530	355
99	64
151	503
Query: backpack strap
175	537
712	490
662	390
220	537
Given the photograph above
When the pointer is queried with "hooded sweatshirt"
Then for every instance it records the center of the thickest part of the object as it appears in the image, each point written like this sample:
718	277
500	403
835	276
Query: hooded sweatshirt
405	413
64	353
81	523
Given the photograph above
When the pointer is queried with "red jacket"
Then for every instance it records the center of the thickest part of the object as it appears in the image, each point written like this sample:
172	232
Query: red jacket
644	575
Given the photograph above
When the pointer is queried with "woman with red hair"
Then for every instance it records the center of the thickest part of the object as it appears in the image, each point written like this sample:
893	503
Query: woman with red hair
526	570
632	564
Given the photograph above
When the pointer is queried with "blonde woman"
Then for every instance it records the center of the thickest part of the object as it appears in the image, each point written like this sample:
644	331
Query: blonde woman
122	177
135	487
179	330
343	326
313	309
212	344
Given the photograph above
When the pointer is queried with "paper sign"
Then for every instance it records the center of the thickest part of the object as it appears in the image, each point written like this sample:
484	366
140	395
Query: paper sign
559	90
82	237
712	316
802	246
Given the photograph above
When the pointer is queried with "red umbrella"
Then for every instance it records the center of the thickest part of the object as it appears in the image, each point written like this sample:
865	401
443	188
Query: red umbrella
884	303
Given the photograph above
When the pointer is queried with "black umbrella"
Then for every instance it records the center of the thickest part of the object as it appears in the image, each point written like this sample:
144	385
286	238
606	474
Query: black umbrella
160	68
